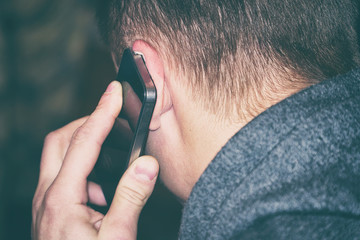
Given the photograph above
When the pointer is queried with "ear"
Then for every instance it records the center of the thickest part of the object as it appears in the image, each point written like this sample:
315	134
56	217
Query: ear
155	66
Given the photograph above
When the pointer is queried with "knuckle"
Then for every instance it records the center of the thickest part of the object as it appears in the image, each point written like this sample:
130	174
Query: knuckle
54	136
133	196
81	134
35	207
51	200
36	201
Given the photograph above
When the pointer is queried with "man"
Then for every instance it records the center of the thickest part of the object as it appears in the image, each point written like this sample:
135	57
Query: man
255	127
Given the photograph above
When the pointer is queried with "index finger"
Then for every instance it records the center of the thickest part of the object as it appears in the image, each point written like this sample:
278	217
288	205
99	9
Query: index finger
55	146
52	158
86	144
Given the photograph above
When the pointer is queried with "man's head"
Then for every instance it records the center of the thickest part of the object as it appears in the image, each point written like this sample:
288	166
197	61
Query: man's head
225	62
228	48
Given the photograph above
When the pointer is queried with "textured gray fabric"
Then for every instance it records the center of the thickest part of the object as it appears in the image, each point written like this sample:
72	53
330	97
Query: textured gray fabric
291	173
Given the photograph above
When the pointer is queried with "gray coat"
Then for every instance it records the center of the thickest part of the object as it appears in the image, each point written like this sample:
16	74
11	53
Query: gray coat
291	173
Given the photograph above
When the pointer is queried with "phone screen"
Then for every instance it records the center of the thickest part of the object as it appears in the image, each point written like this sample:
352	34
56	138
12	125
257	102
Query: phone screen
127	139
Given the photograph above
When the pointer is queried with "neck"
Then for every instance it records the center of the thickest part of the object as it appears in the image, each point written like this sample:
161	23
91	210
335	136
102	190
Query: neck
194	136
204	135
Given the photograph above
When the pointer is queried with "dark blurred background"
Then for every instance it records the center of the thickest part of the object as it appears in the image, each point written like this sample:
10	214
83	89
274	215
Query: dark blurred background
53	69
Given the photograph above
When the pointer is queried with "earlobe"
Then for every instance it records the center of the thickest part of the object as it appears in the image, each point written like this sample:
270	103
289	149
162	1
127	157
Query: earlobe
155	66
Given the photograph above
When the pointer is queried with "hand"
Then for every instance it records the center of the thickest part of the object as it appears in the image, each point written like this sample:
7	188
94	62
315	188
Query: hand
60	208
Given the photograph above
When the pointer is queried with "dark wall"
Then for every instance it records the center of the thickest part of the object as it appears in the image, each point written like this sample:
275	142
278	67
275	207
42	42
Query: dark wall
53	69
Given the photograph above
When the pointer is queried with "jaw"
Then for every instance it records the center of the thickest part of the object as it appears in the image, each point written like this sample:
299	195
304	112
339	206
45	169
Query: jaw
185	143
176	170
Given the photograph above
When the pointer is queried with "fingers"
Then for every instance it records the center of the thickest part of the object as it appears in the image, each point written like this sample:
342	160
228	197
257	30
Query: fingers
134	189
96	195
85	146
55	146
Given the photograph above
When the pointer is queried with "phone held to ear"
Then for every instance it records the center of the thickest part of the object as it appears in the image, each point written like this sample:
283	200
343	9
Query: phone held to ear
127	139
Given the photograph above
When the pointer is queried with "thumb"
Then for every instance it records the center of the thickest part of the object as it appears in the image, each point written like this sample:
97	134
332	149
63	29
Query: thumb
134	189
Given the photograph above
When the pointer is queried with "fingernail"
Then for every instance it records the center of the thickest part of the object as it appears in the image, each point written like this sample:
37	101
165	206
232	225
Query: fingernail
147	170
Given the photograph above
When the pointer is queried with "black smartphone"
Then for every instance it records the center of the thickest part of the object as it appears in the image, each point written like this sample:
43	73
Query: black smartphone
127	139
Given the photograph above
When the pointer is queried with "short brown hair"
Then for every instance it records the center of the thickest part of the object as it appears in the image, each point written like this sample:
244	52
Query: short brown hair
229	46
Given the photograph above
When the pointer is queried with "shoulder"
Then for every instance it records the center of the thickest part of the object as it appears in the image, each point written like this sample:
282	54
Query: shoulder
298	161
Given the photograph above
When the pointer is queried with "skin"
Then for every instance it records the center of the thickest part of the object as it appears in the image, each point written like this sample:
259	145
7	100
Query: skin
183	138
69	154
